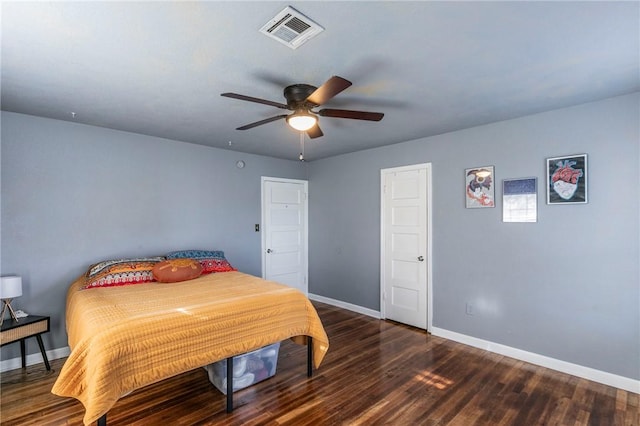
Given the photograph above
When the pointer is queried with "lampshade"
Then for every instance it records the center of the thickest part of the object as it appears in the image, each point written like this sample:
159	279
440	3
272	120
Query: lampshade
10	287
302	121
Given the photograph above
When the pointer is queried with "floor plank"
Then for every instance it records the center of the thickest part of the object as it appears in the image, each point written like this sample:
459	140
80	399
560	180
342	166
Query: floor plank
375	373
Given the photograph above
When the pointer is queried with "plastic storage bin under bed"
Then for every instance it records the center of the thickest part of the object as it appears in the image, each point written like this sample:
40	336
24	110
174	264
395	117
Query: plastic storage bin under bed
248	369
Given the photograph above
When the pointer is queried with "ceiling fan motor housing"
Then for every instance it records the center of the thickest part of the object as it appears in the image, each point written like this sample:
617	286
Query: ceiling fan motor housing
296	96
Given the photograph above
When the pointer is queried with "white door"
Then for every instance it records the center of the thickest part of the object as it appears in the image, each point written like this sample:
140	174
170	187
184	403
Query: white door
405	255
284	232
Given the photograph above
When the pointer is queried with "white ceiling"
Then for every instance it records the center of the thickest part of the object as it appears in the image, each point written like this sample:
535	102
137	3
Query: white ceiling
158	68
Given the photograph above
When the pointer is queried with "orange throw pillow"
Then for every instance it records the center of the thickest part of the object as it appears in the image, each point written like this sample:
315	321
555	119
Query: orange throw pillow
176	270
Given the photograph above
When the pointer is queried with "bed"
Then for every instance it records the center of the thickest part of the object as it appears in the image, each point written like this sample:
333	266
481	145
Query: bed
123	338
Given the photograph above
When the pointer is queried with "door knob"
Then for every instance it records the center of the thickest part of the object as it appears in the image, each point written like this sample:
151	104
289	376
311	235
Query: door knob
269	251
420	258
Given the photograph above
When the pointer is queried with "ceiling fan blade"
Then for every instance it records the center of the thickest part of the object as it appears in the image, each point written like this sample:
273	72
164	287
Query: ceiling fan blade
315	132
252	99
355	115
328	90
261	122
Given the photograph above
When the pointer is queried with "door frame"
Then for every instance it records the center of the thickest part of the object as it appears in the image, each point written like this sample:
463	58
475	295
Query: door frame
429	255
305	219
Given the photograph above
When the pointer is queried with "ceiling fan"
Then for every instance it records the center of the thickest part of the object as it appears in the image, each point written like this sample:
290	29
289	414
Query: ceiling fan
302	99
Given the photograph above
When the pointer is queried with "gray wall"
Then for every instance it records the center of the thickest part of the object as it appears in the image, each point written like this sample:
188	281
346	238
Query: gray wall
566	287
75	194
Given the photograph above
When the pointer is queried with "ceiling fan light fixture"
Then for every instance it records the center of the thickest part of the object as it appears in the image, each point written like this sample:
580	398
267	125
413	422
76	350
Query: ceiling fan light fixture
302	121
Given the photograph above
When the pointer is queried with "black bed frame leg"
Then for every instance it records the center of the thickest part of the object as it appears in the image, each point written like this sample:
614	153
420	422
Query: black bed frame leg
309	356
102	421
229	384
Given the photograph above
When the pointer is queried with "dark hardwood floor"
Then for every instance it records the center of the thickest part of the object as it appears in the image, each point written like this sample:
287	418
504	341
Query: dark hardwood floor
376	373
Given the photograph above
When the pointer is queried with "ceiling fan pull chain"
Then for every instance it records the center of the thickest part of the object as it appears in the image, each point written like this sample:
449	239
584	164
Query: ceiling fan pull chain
301	157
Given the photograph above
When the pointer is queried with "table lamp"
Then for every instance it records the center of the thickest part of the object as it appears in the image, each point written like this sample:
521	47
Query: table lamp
10	287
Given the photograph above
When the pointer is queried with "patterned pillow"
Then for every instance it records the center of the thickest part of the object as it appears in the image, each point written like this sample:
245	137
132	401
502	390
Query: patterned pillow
196	254
105	264
176	270
111	273
215	265
211	261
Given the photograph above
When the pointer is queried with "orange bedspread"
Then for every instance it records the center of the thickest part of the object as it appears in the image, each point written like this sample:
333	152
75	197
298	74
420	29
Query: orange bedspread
124	338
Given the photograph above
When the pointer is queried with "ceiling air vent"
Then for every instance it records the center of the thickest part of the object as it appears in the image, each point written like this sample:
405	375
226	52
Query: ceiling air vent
291	28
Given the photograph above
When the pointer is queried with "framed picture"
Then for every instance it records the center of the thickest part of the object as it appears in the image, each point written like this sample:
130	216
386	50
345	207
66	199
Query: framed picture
567	179
520	200
480	191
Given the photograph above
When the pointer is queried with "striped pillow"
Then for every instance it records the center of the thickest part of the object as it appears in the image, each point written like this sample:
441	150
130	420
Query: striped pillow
111	273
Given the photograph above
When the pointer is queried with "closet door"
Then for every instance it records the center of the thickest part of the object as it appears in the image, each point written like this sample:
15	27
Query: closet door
405	258
284	238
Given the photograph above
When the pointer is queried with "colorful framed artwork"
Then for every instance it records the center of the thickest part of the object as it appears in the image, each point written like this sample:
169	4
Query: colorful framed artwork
520	200
480	191
567	179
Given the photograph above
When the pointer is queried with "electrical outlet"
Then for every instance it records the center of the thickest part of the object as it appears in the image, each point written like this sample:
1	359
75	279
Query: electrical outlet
469	308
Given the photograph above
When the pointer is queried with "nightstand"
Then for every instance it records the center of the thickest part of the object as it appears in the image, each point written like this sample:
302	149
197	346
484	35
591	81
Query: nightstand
30	326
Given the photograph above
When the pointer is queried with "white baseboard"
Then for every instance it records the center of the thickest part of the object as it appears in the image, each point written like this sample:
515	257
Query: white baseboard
588	373
35	358
345	305
620	382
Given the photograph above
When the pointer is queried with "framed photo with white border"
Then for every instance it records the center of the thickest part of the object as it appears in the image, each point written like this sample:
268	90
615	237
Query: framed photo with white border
479	187
520	200
567	179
